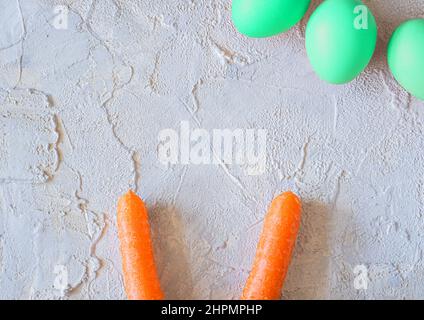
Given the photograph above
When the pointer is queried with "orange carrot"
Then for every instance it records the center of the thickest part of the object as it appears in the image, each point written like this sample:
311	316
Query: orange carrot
139	269
274	249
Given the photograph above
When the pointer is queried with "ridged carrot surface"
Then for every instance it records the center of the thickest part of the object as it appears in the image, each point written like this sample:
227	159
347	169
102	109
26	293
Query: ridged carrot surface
139	269
274	249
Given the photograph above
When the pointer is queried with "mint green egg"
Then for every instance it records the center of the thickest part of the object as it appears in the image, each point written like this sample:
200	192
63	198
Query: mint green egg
406	56
340	40
265	18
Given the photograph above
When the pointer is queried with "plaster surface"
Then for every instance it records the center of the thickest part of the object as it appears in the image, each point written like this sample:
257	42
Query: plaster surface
80	113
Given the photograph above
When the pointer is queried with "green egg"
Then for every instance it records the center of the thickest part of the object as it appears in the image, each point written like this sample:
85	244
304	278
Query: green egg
340	39
406	56
265	18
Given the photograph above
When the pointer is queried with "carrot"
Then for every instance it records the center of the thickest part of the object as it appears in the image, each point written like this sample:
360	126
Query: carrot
140	275
274	249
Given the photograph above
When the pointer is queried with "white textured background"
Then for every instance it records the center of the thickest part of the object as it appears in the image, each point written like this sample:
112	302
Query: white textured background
80	111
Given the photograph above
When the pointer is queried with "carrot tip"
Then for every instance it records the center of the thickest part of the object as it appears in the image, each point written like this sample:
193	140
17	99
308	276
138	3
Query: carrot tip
129	195
130	192
289	195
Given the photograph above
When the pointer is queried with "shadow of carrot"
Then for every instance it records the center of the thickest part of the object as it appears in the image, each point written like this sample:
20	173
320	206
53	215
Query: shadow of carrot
171	252
308	276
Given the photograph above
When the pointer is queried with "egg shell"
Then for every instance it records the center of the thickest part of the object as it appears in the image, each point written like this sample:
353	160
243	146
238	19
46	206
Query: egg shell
406	56
265	18
340	39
